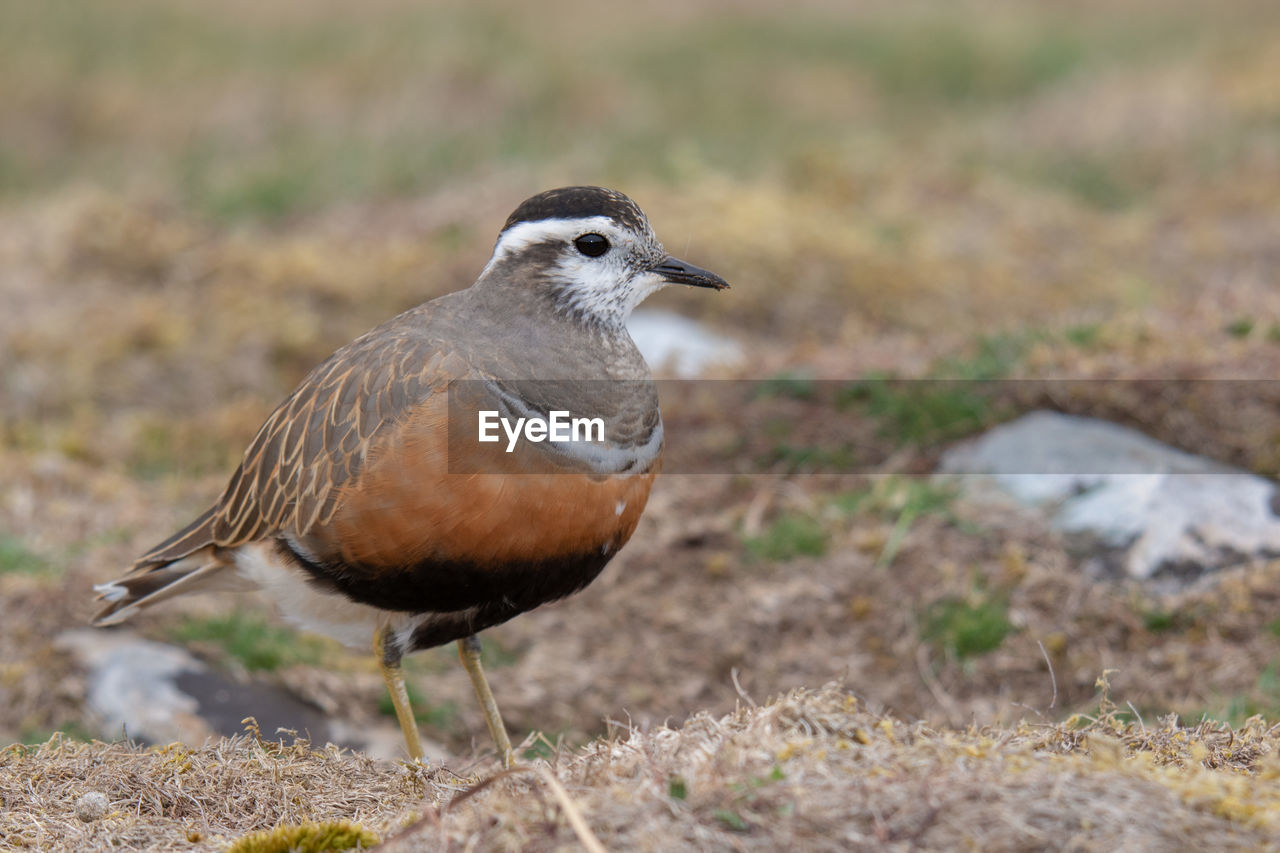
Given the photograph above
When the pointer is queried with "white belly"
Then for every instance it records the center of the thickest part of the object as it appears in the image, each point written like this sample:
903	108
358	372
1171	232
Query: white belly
313	609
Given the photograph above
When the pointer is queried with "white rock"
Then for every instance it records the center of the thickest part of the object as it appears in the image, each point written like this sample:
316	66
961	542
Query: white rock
680	346
131	685
1139	506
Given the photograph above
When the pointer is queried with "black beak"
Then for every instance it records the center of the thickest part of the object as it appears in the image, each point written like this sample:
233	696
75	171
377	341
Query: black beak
677	271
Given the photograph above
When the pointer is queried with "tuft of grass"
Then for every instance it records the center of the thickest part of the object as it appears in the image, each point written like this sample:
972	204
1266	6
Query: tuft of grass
790	384
967	627
731	819
904	499
73	730
893	495
257	644
1160	621
677	788
1241	327
1263	700
809	459
791	535
442	715
920	411
994	357
17	558
1084	335
494	655
1103	184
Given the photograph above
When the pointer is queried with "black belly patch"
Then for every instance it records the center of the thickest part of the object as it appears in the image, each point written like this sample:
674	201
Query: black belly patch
451	586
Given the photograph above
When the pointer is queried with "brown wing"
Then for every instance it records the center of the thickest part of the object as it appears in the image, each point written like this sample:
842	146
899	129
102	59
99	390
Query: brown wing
318	440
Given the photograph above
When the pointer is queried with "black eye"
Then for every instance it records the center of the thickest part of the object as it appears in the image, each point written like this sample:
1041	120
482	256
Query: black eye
592	245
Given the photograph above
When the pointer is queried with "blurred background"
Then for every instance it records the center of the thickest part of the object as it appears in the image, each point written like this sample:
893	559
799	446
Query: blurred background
198	202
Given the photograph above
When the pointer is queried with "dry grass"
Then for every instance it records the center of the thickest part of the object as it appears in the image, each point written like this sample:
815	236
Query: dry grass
811	770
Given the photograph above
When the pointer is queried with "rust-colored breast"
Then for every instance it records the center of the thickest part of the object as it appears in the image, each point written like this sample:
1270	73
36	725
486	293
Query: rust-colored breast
407	514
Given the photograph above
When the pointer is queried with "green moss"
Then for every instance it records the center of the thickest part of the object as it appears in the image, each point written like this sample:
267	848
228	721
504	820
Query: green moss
306	838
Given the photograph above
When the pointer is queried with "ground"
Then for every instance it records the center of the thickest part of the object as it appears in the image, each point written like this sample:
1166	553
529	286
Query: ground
196	207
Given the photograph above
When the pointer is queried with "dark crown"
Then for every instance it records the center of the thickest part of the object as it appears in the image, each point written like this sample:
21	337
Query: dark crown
578	203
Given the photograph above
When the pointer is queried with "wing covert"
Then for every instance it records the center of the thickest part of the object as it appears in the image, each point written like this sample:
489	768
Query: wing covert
317	440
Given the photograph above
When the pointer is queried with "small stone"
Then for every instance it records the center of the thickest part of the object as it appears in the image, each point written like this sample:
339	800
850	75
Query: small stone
91	806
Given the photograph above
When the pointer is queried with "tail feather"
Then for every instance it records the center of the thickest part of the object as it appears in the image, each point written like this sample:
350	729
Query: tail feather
203	571
188	561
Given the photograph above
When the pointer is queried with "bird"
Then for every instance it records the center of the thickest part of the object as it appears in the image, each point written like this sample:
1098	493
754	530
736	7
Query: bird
373	504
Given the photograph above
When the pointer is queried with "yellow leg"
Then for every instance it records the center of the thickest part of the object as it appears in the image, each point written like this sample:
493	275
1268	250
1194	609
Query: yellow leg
393	674
469	654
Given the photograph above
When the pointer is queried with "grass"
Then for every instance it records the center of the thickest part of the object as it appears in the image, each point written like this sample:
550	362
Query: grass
441	716
807	459
1158	620
893	495
17	558
252	641
967	627
1240	328
1261	700
794	771
794	385
1104	183
1085	335
789	536
920	412
992	357
340	106
71	730
904	500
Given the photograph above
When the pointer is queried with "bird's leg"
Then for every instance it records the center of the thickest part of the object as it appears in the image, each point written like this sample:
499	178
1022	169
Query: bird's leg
388	655
469	654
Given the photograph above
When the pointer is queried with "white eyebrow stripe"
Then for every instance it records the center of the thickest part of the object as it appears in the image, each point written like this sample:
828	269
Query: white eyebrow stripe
520	237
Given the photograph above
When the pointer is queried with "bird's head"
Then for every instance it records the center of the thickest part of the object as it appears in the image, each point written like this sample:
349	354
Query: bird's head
590	251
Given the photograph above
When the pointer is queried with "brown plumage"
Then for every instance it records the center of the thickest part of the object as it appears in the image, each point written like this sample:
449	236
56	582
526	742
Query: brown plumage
366	504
